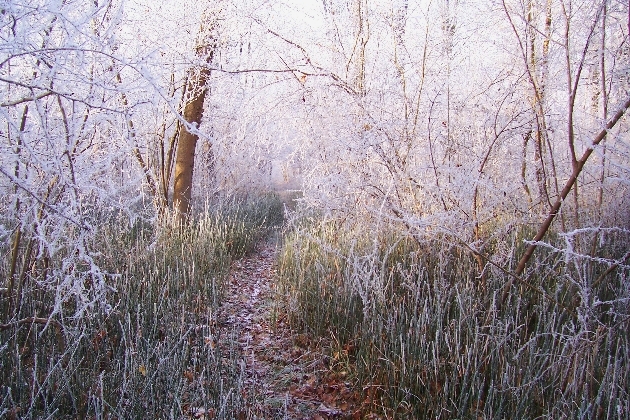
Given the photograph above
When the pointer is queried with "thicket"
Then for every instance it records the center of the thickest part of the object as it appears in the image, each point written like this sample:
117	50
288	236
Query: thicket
423	335
148	347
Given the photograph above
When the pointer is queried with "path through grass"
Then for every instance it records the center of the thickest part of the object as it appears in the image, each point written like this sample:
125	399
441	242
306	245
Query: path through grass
285	375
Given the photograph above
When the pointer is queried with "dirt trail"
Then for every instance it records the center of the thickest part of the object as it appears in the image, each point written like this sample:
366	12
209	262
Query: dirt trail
286	377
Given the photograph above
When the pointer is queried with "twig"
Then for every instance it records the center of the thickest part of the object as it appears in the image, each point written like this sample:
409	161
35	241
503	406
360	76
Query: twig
611	269
27	99
32	320
519	279
17	183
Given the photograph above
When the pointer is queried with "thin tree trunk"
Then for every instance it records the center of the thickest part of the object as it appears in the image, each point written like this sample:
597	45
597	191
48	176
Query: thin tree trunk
555	209
357	59
577	169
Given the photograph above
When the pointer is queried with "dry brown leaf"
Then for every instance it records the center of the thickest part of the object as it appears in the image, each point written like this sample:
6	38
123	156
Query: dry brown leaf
328	410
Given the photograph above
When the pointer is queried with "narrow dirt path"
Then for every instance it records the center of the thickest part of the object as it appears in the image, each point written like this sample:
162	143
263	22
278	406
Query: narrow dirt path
286	377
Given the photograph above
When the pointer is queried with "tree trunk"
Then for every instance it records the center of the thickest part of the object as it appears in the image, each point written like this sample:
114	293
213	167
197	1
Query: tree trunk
194	98
357	60
186	144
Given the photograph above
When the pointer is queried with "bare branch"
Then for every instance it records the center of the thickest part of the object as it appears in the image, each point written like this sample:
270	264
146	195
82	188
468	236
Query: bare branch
32	320
17	183
577	169
27	99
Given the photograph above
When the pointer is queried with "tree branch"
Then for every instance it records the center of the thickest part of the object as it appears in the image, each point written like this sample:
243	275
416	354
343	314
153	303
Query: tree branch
577	169
27	99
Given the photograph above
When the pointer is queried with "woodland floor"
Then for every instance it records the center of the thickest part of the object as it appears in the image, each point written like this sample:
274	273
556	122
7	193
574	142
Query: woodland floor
286	374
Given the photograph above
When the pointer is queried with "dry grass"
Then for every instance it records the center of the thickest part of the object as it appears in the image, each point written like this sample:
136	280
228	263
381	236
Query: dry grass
424	338
147	349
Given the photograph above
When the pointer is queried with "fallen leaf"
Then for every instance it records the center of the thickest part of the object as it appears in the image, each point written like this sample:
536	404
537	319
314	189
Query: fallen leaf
210	342
327	410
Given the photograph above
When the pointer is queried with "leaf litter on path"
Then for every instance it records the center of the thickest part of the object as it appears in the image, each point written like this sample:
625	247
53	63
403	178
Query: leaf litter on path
286	375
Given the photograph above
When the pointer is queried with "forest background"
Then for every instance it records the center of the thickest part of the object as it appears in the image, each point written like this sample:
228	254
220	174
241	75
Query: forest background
453	177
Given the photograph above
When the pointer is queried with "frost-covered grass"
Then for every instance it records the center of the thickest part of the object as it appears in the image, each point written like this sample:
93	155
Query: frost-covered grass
149	347
424	337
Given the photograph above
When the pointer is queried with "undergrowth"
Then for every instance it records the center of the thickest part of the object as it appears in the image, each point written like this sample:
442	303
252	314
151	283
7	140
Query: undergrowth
148	347
424	335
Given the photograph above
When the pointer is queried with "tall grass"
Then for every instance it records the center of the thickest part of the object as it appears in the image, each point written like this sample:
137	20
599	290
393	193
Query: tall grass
425	337
150	348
